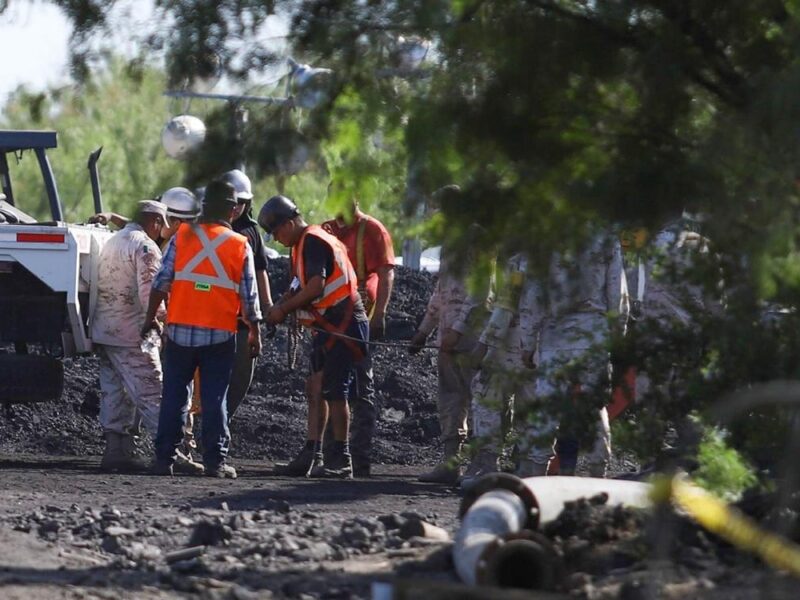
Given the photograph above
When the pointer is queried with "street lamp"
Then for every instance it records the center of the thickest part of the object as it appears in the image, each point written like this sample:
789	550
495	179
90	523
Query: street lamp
307	87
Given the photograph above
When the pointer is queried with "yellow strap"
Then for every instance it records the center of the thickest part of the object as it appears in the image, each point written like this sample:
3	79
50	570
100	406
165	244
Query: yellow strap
735	527
361	273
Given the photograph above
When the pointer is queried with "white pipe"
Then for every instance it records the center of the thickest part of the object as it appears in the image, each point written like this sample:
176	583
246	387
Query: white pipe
498	513
495	514
553	492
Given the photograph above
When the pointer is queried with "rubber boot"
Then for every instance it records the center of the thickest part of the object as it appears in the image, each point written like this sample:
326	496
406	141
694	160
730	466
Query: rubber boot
120	454
485	461
112	454
301	465
448	471
528	468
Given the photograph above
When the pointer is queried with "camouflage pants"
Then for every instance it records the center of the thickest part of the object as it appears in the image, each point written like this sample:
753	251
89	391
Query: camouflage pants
455	376
130	382
501	382
542	425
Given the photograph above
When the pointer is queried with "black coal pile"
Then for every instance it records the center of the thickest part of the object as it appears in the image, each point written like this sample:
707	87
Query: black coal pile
618	552
271	423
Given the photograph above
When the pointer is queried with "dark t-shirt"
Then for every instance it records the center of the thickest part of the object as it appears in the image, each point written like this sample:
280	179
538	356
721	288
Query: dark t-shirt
249	228
318	260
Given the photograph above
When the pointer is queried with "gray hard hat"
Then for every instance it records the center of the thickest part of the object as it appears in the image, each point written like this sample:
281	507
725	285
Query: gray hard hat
275	212
240	182
181	203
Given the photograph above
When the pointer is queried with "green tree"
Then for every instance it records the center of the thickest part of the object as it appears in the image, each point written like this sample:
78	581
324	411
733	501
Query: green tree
120	108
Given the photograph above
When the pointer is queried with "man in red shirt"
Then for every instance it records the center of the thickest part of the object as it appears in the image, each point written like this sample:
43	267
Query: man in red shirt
369	247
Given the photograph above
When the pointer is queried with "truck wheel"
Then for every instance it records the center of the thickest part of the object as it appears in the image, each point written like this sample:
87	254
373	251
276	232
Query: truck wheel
28	378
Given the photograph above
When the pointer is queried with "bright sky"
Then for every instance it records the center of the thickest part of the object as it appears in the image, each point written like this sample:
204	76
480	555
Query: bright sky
34	37
33	46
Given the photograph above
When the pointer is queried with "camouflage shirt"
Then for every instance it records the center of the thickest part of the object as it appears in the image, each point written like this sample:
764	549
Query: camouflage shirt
659	276
128	263
452	305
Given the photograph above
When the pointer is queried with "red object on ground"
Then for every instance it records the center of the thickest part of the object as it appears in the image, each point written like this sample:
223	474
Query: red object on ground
622	394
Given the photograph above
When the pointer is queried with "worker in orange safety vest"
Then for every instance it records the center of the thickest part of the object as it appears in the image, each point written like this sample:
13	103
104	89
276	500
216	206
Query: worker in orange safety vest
324	295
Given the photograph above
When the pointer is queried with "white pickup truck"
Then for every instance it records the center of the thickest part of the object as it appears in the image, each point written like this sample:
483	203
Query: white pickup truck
48	275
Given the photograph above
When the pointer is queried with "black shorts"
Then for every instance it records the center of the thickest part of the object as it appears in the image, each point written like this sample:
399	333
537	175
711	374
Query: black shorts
337	360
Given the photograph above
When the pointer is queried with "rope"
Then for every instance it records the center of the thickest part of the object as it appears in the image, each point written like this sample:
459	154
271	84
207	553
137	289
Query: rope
293	341
371	342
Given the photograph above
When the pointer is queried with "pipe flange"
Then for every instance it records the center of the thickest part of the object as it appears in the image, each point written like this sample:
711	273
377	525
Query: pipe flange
522	559
502	481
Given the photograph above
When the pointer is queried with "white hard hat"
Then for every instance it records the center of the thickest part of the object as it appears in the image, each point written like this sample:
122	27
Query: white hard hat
240	182
181	203
182	135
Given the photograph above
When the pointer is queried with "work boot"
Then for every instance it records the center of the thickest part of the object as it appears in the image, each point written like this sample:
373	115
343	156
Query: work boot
186	465
339	464
448	471
597	469
362	469
119	454
485	461
301	465
528	468
221	471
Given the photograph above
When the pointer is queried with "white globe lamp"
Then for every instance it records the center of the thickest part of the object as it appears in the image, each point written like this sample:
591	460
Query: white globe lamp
182	135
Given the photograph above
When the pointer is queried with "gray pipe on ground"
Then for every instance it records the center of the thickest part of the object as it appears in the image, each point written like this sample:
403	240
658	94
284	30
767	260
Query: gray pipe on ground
497	543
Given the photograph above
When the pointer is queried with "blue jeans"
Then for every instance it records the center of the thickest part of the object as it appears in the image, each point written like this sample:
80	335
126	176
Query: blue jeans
215	363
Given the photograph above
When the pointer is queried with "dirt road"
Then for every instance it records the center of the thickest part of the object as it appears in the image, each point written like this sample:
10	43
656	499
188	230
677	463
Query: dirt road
69	531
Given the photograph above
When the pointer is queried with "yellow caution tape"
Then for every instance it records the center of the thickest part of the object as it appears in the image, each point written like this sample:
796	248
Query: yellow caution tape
730	524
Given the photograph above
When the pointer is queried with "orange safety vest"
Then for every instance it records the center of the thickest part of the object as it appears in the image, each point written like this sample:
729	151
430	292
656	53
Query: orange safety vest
208	270
339	285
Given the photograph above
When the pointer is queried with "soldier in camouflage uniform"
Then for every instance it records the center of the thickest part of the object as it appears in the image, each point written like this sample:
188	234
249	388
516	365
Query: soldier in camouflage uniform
456	313
504	351
578	292
656	271
130	375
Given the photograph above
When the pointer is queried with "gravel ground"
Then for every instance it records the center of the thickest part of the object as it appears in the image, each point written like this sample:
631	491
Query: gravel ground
69	531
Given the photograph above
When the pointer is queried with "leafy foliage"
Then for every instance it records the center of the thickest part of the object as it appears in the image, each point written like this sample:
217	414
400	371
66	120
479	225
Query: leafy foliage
555	117
121	109
722	469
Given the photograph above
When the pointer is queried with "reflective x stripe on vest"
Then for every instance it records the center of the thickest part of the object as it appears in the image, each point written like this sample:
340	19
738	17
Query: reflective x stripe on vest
209	246
340	285
209	260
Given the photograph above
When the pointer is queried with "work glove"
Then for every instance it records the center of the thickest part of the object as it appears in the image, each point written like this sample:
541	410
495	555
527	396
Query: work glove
416	343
